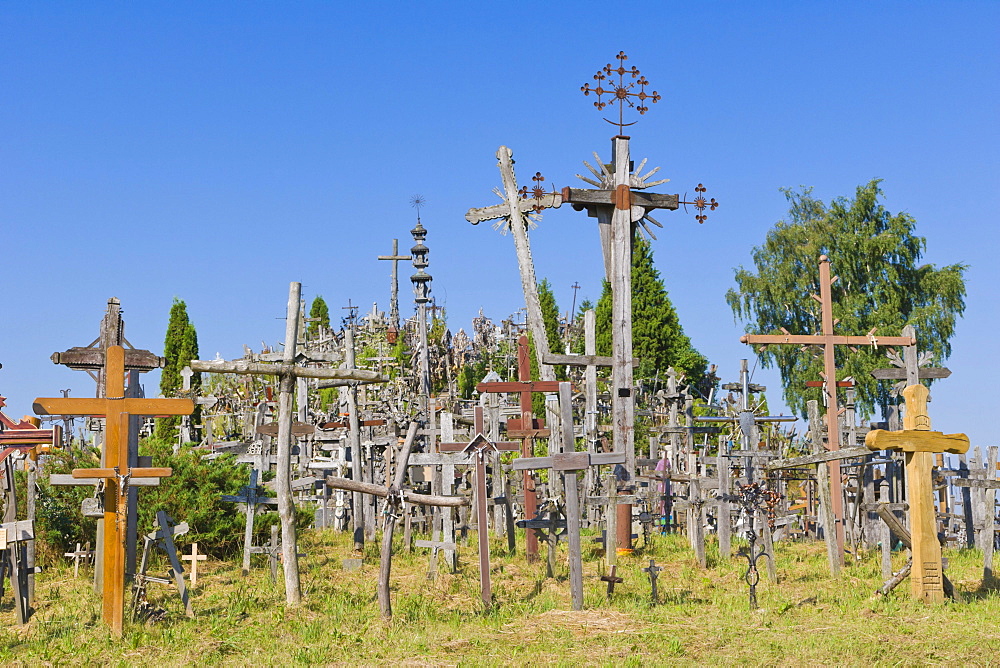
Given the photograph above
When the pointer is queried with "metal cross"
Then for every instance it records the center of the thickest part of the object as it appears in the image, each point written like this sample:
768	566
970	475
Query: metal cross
621	91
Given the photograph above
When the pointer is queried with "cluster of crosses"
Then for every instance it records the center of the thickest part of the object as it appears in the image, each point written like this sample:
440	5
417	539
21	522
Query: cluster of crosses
388	449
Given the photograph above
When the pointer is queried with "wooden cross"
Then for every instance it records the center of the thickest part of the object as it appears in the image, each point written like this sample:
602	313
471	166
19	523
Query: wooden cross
918	443
481	447
512	213
287	371
77	555
194	558
252	497
395	258
654	572
116	409
569	464
163	536
527	428
827	340
447	461
909	369
612	579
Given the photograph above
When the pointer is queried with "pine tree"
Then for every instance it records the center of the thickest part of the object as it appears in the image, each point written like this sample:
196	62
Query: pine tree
658	339
319	315
875	255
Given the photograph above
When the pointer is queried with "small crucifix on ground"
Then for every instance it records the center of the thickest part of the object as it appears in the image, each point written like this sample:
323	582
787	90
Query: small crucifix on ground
919	444
481	447
570	464
827	340
116	409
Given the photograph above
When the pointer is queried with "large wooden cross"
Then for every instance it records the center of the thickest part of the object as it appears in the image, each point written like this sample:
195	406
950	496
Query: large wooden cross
287	371
919	443
527	428
828	341
116	409
481	447
569	464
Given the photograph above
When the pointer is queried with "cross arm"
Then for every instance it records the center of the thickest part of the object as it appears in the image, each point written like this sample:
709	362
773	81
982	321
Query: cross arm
145	472
546	201
915	440
243	367
581	197
820	339
519	386
93	358
900	373
582	360
81	406
829	456
568	461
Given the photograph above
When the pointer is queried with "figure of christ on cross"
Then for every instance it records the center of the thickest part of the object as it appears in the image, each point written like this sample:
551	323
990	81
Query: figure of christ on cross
528	428
116	409
828	340
481	447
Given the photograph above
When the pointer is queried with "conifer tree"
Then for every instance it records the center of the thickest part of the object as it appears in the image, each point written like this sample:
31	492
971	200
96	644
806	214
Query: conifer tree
658	339
180	346
319	315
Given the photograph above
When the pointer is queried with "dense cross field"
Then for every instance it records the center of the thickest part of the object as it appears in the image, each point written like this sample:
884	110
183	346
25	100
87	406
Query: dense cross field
702	617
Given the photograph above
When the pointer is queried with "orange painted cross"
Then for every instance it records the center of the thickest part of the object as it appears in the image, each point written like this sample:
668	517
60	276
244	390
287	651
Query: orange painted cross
116	409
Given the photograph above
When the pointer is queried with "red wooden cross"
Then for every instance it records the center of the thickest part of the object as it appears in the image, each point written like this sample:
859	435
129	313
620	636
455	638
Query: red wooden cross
527	428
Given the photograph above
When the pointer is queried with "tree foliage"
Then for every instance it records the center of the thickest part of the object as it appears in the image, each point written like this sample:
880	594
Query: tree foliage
319	316
881	285
180	346
658	339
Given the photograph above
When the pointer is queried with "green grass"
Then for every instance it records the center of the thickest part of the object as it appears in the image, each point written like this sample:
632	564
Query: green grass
702	617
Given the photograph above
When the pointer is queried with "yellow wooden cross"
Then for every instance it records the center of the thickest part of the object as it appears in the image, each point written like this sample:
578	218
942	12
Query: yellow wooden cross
919	444
116	409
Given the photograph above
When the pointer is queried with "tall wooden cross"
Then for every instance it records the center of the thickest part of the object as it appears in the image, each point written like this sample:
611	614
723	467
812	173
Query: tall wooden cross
919	443
481	447
395	258
827	340
287	371
117	473
908	369
569	464
527	428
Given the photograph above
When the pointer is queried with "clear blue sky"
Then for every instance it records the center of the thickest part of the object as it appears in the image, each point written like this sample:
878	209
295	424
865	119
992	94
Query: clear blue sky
217	151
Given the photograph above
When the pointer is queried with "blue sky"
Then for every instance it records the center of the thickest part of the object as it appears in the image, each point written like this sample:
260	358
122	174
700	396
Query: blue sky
217	151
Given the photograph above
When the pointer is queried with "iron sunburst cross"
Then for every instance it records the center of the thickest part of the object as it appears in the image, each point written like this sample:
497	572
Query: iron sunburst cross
116	408
622	91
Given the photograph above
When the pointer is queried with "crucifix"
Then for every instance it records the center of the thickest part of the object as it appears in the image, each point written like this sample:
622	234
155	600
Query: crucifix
395	258
619	206
527	428
481	447
252	496
569	464
919	443
287	371
116	472
827	340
